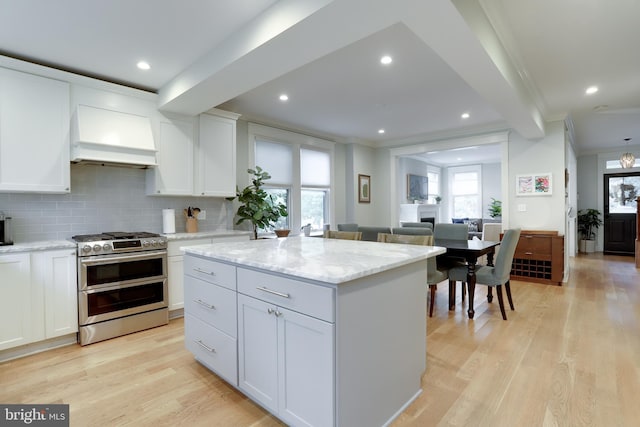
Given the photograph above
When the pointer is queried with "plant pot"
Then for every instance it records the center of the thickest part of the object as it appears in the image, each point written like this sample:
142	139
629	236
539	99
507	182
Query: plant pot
587	246
282	233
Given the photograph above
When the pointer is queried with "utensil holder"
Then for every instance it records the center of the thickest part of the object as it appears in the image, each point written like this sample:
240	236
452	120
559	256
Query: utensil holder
192	225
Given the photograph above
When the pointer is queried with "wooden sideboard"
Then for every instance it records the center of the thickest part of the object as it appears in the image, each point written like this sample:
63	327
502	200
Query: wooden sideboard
539	257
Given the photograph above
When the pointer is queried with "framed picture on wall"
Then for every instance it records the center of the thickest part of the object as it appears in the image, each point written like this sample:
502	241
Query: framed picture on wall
417	187
364	188
538	184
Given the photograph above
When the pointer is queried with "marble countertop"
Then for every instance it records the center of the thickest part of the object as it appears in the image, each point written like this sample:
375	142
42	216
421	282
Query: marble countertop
205	234
38	246
325	260
68	244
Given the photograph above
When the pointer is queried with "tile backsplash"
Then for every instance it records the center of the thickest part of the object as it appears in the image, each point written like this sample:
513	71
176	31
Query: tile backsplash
104	198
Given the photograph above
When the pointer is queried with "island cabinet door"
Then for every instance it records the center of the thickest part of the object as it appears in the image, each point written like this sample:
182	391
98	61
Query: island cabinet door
306	370
258	351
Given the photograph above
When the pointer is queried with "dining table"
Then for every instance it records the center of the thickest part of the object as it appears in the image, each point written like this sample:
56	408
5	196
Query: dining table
470	251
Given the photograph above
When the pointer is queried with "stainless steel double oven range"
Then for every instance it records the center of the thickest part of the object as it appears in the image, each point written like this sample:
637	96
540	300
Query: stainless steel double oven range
122	284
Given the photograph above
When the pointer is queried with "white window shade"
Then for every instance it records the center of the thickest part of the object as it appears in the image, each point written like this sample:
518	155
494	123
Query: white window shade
465	183
277	160
315	168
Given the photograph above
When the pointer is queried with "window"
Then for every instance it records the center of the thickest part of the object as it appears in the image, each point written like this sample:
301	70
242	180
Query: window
465	190
301	171
277	159
315	180
615	164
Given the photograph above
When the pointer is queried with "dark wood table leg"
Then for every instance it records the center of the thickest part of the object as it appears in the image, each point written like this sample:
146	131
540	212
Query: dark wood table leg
471	286
452	294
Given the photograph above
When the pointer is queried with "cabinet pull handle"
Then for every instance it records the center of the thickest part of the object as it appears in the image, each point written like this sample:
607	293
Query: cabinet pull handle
204	304
528	237
280	294
528	253
206	347
199	270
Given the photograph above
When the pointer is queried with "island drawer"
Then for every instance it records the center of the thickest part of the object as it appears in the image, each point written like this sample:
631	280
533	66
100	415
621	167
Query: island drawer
211	271
211	347
211	303
306	298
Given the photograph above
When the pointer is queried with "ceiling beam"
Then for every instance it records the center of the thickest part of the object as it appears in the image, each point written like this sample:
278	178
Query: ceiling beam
289	35
293	33
465	40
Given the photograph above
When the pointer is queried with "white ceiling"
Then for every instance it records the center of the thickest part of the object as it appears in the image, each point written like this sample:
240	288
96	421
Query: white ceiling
508	63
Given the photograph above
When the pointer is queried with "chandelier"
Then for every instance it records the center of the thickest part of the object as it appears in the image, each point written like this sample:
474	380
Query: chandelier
627	160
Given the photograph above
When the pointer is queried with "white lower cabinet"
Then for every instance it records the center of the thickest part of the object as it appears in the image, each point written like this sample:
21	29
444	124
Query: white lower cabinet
175	265
210	321
286	362
15	300
270	336
38	297
55	273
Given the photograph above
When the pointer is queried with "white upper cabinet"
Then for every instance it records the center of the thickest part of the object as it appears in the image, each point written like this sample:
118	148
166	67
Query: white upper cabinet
195	166
174	173
216	160
34	133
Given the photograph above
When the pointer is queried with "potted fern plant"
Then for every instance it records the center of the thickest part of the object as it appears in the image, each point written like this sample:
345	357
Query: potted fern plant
256	205
495	208
588	223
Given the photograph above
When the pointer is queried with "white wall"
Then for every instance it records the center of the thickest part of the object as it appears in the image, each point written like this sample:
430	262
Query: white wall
340	199
587	181
364	163
491	185
546	155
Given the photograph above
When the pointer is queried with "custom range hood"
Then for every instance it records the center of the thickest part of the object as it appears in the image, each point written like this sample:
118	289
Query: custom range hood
100	136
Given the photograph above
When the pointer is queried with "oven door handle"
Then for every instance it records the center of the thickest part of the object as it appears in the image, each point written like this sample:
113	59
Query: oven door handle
95	290
112	258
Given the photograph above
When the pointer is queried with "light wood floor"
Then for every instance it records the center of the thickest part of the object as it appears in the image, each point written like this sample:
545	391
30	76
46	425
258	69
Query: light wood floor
568	356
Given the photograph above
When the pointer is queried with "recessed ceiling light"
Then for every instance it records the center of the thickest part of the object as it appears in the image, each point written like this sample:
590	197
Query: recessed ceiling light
386	60
465	115
284	97
380	131
144	65
591	90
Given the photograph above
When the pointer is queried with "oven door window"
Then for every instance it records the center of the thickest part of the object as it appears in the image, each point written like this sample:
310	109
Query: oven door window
108	301
122	271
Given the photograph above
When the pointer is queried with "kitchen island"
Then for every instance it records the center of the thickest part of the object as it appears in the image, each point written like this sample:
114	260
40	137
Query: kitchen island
317	331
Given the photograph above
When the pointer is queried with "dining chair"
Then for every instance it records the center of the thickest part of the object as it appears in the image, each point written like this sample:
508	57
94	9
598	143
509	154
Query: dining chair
412	231
344	235
496	275
370	233
451	232
434	276
491	231
348	227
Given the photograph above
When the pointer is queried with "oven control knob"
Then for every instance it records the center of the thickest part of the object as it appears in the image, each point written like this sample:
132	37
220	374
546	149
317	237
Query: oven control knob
97	248
146	243
106	247
86	248
154	243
